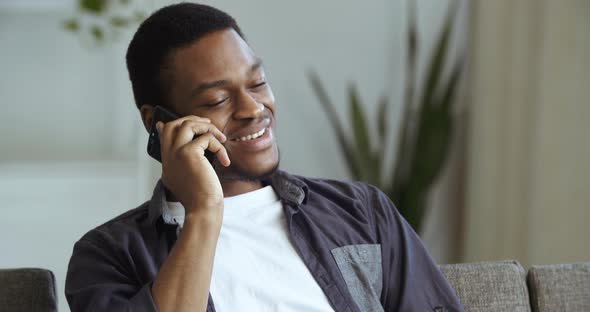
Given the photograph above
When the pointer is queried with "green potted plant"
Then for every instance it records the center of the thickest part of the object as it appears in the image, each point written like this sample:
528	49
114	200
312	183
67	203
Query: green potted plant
424	136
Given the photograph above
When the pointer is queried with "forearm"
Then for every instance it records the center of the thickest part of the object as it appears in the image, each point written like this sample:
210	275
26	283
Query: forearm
184	279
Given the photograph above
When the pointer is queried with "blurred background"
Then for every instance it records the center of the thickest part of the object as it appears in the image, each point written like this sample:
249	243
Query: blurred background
481	133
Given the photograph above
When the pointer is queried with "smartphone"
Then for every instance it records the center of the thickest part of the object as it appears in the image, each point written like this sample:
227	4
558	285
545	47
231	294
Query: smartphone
153	146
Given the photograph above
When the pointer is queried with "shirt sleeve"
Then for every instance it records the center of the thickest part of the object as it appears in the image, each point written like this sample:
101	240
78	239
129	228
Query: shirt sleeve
412	281
97	281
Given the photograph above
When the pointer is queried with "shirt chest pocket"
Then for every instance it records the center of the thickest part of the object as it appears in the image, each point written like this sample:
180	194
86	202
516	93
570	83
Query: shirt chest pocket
361	268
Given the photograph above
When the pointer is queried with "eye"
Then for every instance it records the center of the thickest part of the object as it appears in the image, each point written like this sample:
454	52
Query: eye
259	85
216	103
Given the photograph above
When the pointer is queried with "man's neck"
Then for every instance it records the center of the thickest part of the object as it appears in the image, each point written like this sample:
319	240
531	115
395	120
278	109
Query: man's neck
237	187
230	188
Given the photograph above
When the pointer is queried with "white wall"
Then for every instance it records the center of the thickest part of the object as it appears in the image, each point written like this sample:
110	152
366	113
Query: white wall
65	103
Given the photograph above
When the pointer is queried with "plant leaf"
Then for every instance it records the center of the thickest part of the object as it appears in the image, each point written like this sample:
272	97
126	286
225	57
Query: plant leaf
93	6
412	37
119	21
71	25
405	134
426	131
436	65
330	110
97	33
448	97
432	144
361	136
382	126
382	129
414	201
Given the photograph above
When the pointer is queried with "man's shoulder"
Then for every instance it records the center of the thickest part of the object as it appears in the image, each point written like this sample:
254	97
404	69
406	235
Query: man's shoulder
358	190
125	224
351	196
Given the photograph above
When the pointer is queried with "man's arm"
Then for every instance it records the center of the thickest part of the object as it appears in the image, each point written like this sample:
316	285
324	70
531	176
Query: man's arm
184	279
102	277
98	281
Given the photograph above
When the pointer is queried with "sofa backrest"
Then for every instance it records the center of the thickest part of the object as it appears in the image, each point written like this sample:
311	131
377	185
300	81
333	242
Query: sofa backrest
489	286
27	290
560	287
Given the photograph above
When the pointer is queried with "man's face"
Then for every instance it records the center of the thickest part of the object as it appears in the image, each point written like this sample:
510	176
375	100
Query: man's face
220	78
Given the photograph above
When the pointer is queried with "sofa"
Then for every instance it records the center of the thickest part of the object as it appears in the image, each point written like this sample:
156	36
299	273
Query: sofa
505	286
27	290
485	286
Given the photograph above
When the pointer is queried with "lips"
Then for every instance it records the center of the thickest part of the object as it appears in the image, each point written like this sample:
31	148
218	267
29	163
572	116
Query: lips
251	136
262	141
252	130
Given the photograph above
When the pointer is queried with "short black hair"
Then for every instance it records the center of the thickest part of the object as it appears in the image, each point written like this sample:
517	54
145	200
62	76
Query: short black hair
169	28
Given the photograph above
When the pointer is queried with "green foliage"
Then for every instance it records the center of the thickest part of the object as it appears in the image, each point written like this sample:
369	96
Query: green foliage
97	32
71	25
424	136
92	6
107	11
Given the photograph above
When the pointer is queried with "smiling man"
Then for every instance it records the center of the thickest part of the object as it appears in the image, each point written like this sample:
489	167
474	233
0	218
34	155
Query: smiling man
234	233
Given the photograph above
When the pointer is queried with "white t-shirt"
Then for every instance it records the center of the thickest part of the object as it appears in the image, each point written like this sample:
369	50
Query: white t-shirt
256	267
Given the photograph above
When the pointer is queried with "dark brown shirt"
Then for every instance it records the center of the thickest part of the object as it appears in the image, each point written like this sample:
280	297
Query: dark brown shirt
361	252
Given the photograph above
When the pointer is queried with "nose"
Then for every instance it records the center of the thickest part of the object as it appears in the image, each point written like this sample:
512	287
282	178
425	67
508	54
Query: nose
247	107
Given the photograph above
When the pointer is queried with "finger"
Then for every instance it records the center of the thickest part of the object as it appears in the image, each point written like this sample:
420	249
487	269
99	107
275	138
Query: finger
188	129
210	143
166	133
190	117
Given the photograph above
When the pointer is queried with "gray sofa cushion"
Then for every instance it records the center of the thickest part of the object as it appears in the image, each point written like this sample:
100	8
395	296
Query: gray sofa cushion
489	286
560	287
27	290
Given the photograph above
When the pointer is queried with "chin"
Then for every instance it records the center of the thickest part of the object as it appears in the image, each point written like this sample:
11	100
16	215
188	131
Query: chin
250	170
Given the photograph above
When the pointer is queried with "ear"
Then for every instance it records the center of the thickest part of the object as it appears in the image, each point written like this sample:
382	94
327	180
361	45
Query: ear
147	115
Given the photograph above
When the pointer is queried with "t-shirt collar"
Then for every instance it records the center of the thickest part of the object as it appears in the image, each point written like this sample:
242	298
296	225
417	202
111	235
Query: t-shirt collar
290	189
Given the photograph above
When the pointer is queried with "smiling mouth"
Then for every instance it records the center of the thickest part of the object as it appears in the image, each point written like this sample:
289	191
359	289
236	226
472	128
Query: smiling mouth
251	136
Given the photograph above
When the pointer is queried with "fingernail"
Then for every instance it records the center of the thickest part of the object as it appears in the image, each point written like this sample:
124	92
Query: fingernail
159	126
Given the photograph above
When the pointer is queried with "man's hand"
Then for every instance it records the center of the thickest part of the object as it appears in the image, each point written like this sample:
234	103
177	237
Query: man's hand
185	276
186	172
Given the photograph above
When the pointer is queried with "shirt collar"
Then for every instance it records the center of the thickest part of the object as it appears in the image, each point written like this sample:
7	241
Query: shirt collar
290	189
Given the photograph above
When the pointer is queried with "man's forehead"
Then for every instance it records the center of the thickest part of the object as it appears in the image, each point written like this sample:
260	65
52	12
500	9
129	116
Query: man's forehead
219	53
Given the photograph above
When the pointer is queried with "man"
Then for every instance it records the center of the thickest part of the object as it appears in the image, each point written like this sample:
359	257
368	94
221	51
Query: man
236	234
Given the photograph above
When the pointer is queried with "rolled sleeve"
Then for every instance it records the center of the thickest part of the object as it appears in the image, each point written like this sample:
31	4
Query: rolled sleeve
99	279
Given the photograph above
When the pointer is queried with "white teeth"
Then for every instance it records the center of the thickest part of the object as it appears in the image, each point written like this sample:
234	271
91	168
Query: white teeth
252	136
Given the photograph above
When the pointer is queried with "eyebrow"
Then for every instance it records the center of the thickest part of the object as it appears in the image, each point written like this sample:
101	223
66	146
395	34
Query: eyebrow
213	84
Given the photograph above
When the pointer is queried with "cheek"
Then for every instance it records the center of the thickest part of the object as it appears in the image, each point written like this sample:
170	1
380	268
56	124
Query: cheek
220	120
269	100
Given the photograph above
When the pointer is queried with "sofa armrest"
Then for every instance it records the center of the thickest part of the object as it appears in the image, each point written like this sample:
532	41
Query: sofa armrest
560	287
489	286
27	290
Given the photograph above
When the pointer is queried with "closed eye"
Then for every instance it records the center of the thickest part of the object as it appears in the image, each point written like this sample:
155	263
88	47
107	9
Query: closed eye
216	103
258	85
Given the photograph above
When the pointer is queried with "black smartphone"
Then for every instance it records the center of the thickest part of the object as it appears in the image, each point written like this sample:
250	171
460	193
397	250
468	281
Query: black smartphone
153	146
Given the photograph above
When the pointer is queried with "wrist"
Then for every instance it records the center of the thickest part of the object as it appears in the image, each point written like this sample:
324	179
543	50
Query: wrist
205	217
